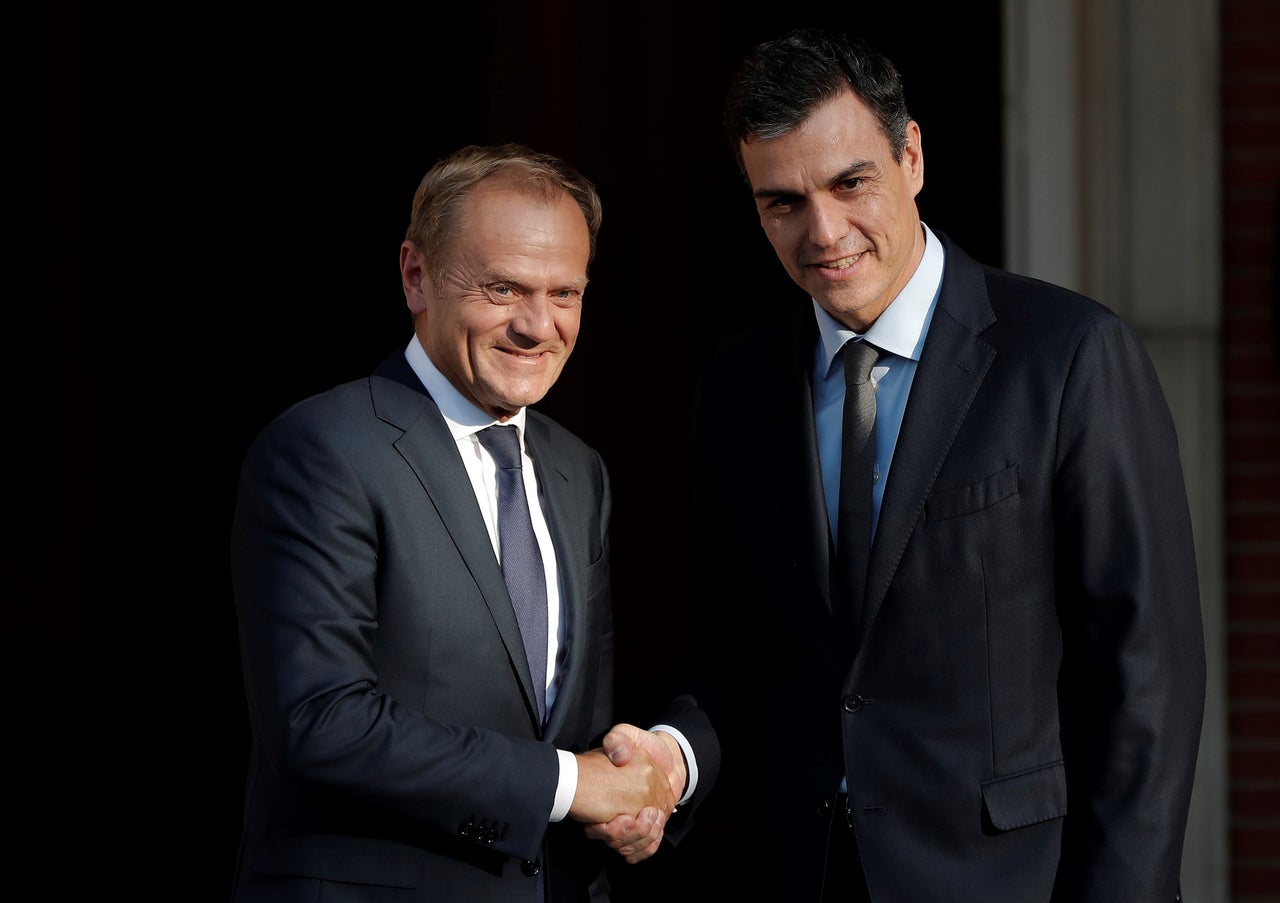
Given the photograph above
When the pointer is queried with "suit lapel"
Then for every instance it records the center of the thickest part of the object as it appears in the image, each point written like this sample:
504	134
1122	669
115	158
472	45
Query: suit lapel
792	523
560	504
429	449
951	369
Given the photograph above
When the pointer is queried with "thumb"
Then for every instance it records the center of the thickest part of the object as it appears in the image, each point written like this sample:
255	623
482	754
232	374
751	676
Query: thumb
619	745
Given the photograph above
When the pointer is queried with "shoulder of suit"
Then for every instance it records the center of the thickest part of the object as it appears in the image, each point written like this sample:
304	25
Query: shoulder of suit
1005	288
1036	300
347	394
564	441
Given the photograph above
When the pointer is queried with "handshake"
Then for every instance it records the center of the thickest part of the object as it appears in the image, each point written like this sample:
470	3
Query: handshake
628	788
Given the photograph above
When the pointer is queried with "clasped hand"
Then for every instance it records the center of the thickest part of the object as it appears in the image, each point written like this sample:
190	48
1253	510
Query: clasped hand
628	788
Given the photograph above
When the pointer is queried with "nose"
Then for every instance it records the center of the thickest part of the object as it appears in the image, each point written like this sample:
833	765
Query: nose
826	225
534	319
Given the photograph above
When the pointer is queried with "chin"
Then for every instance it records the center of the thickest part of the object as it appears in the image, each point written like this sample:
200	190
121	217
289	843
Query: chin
514	401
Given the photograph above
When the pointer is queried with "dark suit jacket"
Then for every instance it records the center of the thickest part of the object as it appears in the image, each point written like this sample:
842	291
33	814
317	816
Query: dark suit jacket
396	751
1019	712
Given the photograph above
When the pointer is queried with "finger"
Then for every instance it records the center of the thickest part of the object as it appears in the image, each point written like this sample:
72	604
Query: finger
641	855
622	831
648	827
641	831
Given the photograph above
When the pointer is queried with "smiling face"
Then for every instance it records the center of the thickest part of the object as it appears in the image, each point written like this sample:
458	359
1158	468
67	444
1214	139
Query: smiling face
839	211
500	317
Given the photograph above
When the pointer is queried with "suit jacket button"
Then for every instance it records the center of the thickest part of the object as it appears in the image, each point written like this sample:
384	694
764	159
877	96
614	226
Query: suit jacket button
531	867
824	806
852	703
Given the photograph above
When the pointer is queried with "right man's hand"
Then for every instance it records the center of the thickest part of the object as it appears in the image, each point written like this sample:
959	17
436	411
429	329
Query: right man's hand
626	804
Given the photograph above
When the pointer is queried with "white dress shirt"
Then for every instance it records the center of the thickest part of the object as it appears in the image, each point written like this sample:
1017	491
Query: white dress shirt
465	421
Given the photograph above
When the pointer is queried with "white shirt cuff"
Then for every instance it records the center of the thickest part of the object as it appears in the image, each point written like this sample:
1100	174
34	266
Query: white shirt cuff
566	787
690	762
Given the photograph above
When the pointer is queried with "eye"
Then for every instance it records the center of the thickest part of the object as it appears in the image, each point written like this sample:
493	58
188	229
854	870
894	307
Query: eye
565	297
500	293
778	205
851	184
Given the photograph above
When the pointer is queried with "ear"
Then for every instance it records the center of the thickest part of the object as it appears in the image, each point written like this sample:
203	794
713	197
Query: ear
414	278
913	158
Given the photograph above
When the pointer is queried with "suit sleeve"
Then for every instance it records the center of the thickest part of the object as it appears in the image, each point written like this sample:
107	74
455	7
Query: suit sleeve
683	713
305	565
1133	680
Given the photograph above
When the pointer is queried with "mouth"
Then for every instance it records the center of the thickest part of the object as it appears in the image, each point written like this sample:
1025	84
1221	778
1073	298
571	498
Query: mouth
842	263
518	355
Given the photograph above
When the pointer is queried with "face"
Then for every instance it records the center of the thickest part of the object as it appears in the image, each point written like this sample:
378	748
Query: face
505	318
838	210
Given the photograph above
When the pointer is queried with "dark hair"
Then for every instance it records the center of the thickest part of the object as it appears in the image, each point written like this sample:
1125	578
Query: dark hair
440	193
781	82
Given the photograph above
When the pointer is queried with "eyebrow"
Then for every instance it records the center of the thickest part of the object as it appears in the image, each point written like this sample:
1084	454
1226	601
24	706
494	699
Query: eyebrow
510	278
853	170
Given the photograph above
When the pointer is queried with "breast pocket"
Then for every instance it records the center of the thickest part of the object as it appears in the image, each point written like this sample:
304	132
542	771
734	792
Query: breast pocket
967	499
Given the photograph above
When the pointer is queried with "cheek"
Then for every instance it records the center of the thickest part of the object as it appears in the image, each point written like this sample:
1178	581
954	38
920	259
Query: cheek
782	239
567	325
483	325
887	212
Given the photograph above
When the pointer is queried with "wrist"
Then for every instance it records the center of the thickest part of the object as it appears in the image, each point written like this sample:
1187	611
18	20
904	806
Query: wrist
679	775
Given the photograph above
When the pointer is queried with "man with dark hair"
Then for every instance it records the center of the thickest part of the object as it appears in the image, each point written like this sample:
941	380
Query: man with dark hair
956	540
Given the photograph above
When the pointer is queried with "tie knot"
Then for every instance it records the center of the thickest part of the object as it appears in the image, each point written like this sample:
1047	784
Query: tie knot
503	443
859	358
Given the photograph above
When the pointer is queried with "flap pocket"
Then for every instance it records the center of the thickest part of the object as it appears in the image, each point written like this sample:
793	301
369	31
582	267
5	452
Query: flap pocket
1027	798
355	860
983	494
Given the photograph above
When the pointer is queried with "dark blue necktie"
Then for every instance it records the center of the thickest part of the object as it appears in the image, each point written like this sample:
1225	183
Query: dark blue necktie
857	466
521	560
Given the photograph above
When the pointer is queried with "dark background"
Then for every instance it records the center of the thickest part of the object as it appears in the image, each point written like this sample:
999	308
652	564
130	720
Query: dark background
202	216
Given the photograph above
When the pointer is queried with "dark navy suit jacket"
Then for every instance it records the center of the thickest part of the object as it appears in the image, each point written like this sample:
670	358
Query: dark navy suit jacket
1018	712
396	751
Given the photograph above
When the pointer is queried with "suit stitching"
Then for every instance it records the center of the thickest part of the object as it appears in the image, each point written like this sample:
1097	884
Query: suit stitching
986	644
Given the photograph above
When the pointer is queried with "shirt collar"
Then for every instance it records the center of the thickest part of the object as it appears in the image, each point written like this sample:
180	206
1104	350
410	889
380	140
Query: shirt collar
461	416
901	328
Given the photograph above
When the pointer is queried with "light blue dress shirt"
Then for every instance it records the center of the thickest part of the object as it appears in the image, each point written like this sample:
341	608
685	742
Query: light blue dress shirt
899	333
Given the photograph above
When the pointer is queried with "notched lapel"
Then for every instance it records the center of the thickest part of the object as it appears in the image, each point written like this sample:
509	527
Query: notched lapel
810	546
429	449
790	515
560	503
952	366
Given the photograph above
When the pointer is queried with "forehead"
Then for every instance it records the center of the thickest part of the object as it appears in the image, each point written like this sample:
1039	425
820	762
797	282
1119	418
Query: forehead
839	134
499	219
